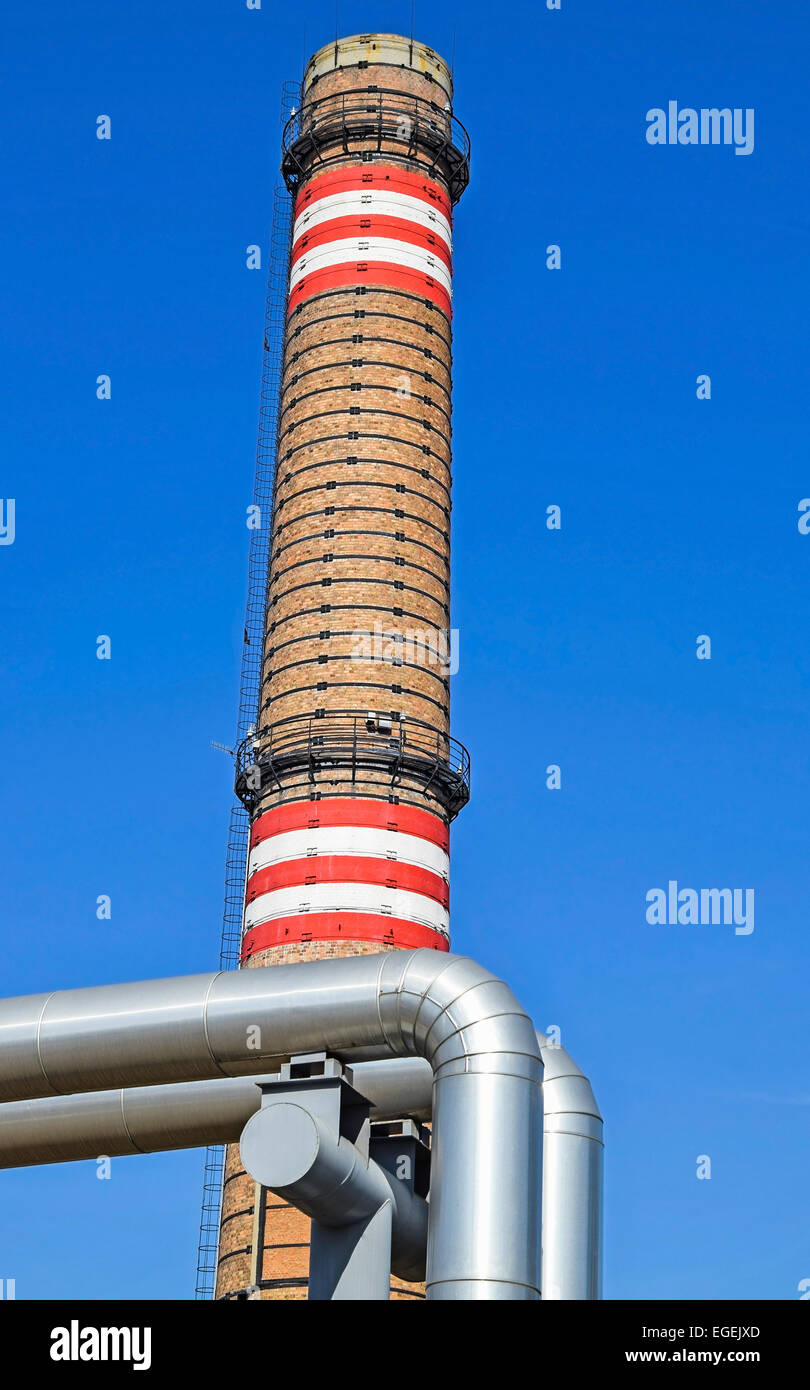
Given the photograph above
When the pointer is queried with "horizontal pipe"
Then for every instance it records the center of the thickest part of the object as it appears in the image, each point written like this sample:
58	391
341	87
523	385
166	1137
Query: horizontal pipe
188	1115
484	1237
149	1119
395	1087
196	1027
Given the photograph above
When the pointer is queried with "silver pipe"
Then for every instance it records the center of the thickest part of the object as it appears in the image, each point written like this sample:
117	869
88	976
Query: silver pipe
152	1119
149	1119
573	1154
484	1238
395	1087
297	1154
484	1228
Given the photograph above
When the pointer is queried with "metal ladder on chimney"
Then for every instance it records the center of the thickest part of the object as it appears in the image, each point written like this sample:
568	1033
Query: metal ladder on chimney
252	652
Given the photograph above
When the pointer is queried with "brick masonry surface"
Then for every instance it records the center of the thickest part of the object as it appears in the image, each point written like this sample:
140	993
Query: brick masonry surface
283	1252
360	537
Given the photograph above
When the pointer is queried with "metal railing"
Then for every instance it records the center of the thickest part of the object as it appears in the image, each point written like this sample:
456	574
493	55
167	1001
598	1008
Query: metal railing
395	125
358	744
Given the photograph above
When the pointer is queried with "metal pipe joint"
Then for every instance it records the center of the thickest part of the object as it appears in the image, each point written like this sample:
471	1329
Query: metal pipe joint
311	1142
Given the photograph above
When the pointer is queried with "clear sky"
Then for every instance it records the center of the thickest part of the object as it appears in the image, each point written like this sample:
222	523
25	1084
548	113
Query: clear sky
575	388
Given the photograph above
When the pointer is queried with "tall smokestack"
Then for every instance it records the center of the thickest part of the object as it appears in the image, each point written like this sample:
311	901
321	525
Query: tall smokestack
351	778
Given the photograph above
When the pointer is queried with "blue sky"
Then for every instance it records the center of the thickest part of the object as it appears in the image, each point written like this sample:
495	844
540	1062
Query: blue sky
578	647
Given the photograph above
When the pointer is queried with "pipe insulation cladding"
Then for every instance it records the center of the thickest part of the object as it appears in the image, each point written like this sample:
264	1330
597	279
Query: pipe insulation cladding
484	1236
149	1119
573	1161
155	1119
295	1152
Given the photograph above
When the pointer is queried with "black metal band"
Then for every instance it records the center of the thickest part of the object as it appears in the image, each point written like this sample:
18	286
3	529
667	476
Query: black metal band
326	635
330	657
329	559
329	510
367	786
289	1283
351	462
352	712
326	608
366	361
424	449
360	291
399	585
243	1211
392	688
399	536
355	387
355	410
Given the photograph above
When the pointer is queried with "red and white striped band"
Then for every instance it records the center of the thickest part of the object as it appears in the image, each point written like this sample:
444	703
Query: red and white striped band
351	869
383	226
346	926
372	203
378	176
310	815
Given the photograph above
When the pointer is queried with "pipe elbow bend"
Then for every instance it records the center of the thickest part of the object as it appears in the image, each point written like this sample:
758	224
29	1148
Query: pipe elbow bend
456	1014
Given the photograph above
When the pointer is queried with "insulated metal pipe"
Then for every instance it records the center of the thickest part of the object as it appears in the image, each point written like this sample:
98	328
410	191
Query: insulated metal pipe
484	1238
296	1153
153	1119
573	1154
150	1119
395	1087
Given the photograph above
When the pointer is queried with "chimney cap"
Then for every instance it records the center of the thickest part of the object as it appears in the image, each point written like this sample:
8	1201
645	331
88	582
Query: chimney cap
392	50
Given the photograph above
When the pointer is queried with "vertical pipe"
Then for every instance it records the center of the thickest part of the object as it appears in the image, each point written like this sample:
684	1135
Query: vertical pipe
572	1180
485	1185
488	1135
